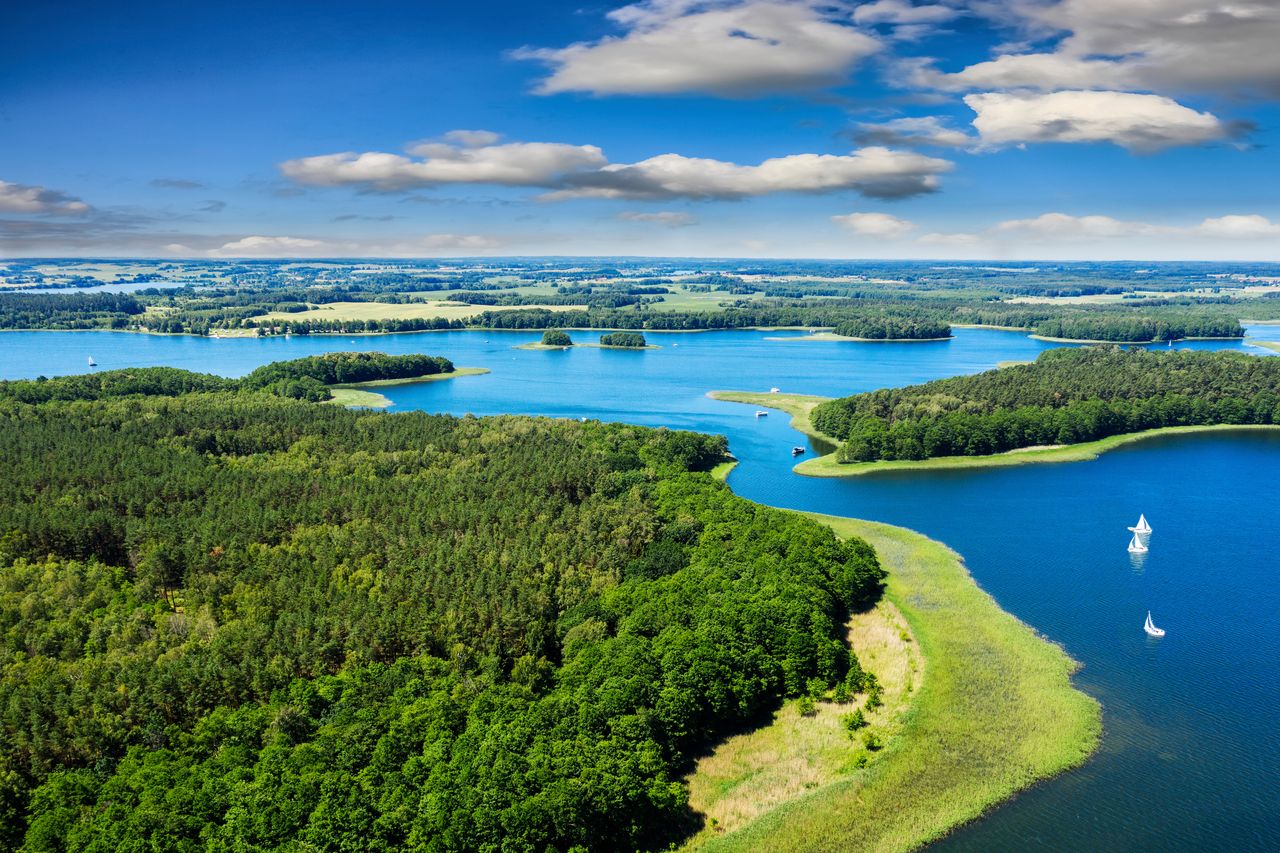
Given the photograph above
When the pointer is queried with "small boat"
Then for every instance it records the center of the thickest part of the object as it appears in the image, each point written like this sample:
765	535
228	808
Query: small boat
761	413
1136	546
773	390
1150	627
1142	526
92	363
797	450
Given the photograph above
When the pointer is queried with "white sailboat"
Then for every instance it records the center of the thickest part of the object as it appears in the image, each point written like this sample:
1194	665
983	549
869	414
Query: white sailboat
92	363
761	413
1150	627
1141	526
1136	546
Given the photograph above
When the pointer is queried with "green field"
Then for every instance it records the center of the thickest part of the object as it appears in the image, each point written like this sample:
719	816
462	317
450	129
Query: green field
994	713
799	406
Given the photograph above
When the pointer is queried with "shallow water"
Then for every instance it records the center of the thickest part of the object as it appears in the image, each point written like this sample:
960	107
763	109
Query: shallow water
1190	751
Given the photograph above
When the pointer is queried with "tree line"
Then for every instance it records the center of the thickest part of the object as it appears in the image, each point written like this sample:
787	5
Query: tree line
1066	396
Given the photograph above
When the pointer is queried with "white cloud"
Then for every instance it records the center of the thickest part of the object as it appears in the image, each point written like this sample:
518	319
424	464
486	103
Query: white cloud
1064	226
669	218
470	157
725	47
583	172
1235	226
258	246
24	198
874	172
923	131
881	225
1137	122
1099	237
1172	46
902	12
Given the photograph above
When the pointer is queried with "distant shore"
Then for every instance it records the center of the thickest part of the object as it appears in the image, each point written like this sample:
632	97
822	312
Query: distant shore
832	336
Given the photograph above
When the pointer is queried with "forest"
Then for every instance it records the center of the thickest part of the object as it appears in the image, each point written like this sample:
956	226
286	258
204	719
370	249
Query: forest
893	326
1066	396
230	620
304	378
624	340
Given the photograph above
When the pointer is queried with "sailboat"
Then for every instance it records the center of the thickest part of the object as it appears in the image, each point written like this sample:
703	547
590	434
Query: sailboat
92	363
1141	526
1150	627
1136	546
761	413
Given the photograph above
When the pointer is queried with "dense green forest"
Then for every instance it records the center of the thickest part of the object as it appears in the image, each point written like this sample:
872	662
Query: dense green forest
302	379
233	621
625	340
1066	396
67	311
893	326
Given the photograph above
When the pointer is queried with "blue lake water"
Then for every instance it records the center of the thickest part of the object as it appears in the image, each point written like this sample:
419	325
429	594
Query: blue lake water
1191	748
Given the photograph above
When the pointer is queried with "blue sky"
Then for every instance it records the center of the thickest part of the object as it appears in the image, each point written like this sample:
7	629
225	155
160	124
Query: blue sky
752	128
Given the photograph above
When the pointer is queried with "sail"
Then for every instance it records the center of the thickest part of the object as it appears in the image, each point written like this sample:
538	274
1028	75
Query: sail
1136	546
1142	524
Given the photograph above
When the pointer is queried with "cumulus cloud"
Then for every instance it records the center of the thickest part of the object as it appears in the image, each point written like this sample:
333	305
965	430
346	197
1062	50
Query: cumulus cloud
1062	229
1133	121
259	246
581	171
883	225
1225	46
669	218
726	47
466	157
925	131
29	199
873	172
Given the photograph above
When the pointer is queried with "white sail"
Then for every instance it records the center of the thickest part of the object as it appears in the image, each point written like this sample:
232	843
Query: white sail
1150	627
1136	546
1142	526
92	363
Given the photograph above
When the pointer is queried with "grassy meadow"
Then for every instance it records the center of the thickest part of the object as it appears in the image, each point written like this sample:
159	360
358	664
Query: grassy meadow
978	707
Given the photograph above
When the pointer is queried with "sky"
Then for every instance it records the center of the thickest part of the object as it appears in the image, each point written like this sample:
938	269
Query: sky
1001	129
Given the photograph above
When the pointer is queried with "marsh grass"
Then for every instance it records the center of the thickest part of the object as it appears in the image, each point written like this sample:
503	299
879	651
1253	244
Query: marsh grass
991	711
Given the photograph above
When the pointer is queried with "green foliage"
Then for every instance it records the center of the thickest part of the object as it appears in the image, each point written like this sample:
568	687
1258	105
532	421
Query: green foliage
301	379
871	740
888	325
234	621
67	311
1165	326
629	340
806	706
556	338
1066	396
853	722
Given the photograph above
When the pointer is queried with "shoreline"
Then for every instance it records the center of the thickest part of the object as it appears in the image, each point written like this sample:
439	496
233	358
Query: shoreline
826	466
994	714
357	395
1127	343
799	406
834	338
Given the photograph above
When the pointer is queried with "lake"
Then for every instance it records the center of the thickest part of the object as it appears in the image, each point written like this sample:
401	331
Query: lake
1190	751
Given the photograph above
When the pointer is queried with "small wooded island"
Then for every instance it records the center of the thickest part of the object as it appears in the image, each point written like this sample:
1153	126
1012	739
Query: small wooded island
556	338
624	340
1065	397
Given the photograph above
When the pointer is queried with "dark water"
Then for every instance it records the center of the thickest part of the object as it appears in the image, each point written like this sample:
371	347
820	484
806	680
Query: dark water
1191	751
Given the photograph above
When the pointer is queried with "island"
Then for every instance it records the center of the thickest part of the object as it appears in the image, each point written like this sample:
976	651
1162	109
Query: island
625	340
553	339
1069	404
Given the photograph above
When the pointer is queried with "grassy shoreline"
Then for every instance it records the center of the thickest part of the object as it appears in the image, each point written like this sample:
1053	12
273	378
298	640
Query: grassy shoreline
994	713
357	393
1125	343
799	406
827	466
